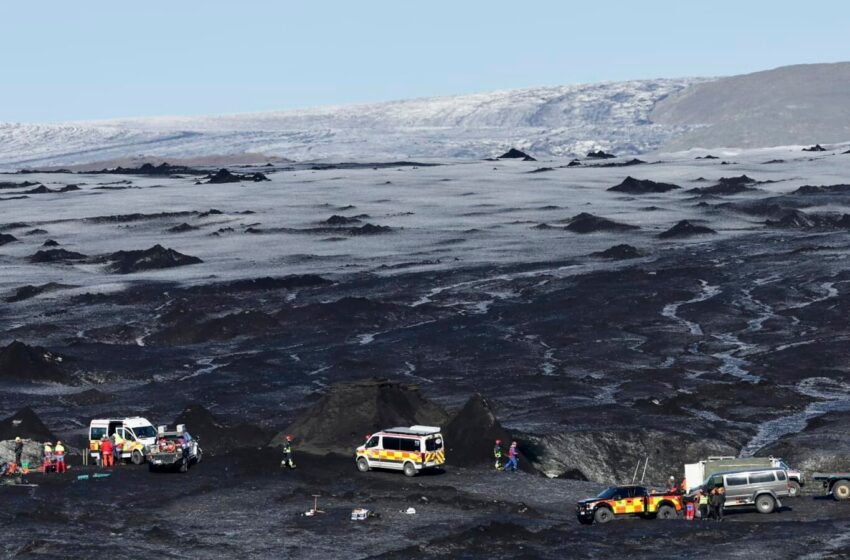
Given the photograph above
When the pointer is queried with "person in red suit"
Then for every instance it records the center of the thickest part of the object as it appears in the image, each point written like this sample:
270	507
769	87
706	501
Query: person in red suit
106	458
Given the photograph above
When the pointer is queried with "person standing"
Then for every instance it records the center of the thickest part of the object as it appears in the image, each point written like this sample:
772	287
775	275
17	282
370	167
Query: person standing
288	460
720	501
117	447
106	450
48	456
19	450
59	453
497	454
513	459
703	504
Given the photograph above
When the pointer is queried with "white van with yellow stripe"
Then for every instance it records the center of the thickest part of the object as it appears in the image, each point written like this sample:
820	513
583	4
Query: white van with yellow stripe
403	449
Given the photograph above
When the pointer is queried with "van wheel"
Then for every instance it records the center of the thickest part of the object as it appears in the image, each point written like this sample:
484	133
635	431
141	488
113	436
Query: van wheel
136	457
841	490
409	469
362	464
765	503
794	489
666	512
603	515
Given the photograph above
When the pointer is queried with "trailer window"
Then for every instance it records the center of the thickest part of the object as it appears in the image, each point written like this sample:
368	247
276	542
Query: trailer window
756	478
736	480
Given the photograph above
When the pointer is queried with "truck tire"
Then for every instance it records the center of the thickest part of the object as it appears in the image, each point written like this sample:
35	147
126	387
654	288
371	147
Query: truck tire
765	503
841	490
136	457
666	512
409	469
793	489
603	515
362	464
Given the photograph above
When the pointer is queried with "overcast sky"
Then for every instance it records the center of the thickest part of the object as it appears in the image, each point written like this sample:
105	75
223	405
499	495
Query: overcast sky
65	60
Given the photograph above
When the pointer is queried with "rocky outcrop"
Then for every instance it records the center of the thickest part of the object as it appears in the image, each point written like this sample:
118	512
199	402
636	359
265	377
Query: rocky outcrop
155	258
631	185
588	223
686	229
22	363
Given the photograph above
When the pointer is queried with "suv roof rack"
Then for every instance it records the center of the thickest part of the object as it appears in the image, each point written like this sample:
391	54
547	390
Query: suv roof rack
414	430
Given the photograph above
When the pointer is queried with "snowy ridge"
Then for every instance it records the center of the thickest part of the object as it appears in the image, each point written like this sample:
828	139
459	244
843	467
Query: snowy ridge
556	121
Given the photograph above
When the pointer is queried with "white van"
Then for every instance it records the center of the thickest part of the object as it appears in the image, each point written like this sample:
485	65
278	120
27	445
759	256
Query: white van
138	434
404	449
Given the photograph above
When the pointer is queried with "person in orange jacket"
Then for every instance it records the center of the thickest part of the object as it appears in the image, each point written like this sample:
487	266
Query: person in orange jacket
106	458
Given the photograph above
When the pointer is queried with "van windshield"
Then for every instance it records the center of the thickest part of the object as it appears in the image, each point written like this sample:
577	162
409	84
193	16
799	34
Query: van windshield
144	432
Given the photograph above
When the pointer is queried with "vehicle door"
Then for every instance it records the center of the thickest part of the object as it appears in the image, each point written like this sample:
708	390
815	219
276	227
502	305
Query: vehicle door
738	490
390	452
639	497
372	451
113	427
624	502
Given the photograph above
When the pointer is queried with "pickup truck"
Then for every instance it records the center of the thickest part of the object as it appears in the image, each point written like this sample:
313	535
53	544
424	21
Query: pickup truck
837	484
173	450
629	501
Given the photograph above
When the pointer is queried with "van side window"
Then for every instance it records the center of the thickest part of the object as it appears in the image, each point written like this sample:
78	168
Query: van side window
715	481
780	475
408	444
391	443
433	444
373	442
97	433
755	478
736	480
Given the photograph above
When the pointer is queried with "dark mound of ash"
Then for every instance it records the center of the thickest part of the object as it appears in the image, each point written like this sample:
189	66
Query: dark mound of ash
728	185
41	189
28	291
842	189
88	398
162	170
25	424
37	231
337	220
369	229
14	225
265	283
628	163
225	176
185	327
709	156
7	238
542	170
155	258
574	163
181	228
471	435
797	219
217	438
543	226
599	154
56	255
68	188
528	158
50	243
120	218
19	362
348	412
14	197
772	161
620	252
845	153
588	223
210	212
686	229
9	185
642	186
815	148
513	153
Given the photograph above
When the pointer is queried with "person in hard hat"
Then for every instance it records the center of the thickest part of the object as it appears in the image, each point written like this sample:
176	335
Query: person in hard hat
288	460
59	453
497	454
48	456
513	458
19	450
672	487
106	449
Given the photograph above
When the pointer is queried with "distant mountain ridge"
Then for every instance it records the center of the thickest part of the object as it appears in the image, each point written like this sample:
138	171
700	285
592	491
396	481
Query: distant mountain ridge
790	105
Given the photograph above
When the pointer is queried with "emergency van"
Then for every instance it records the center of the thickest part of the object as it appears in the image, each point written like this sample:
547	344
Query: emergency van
403	449
137	433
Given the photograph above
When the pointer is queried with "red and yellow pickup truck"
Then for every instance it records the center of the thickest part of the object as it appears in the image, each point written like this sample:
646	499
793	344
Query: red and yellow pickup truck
621	501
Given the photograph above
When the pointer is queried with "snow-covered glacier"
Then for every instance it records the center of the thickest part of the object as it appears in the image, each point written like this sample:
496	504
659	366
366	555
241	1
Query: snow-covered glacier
553	121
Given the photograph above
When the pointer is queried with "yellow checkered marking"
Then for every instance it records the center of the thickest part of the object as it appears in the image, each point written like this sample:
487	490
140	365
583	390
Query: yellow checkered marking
629	505
655	501
394	456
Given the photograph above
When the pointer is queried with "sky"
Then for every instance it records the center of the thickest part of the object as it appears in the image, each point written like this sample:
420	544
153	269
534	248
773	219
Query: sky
65	61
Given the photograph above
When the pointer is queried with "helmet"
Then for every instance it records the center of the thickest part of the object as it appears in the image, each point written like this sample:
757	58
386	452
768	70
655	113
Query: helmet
289	437
498	441
58	442
17	439
513	444
672	478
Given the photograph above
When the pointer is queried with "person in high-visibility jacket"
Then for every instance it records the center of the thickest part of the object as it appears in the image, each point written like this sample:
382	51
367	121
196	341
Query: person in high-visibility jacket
106	457
497	454
59	453
513	458
703	504
48	456
117	447
288	460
